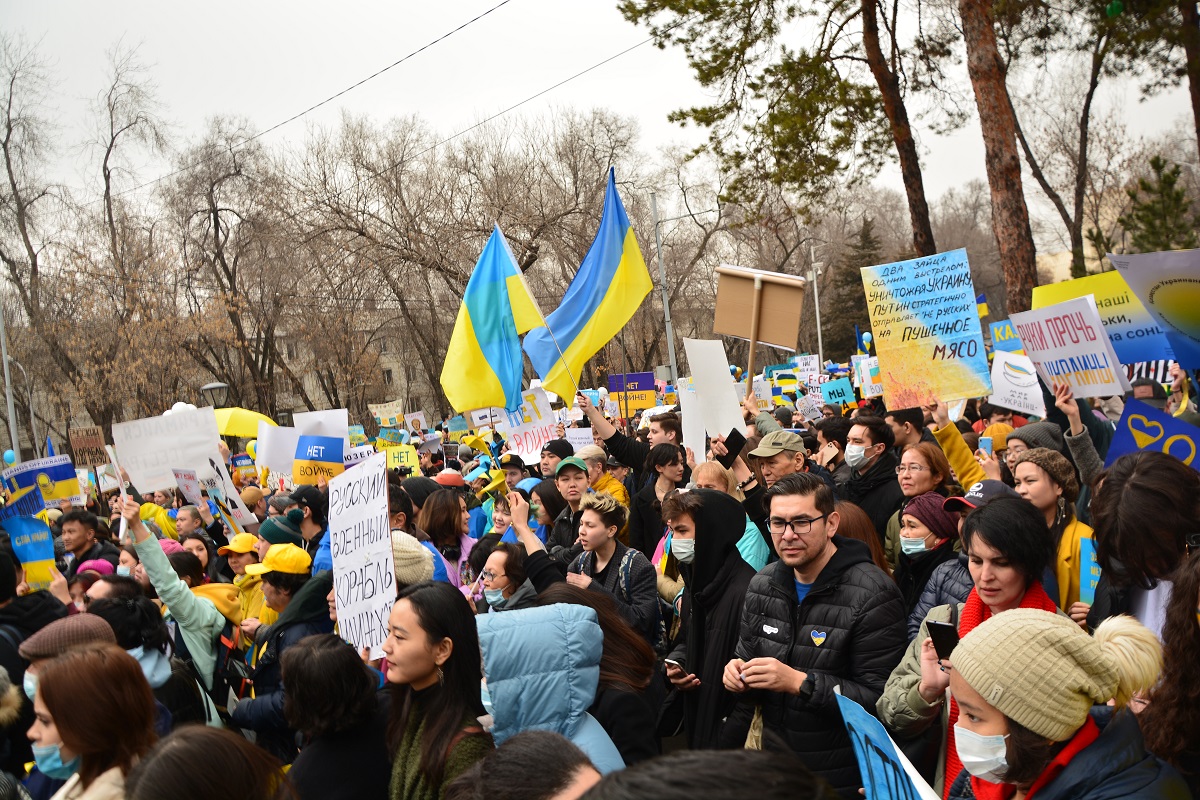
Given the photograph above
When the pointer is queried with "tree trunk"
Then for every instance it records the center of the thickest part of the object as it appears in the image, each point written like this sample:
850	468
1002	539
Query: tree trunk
1010	216
906	145
1190	35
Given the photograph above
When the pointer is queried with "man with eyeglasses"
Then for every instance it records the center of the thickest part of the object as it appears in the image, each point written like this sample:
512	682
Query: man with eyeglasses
823	615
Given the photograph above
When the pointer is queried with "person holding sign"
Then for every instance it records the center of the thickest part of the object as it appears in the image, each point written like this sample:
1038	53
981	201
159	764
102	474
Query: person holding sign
1028	683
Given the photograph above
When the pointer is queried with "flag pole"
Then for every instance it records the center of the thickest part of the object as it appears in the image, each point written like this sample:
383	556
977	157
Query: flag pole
561	357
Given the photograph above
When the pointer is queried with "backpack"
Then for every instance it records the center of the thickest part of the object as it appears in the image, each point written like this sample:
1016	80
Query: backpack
231	674
624	575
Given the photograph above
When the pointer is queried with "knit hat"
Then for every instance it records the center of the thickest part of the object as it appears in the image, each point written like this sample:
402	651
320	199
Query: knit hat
283	529
1038	669
170	546
928	509
1056	466
281	502
63	634
97	565
999	433
1040	434
414	562
559	447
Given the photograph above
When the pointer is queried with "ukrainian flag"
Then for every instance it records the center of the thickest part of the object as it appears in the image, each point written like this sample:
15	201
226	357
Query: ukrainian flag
483	363
55	477
981	305
609	287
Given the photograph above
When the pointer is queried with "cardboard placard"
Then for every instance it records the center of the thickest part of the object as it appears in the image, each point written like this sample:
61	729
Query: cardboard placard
88	446
838	392
886	771
331	422
387	415
189	486
415	421
318	457
54	477
781	306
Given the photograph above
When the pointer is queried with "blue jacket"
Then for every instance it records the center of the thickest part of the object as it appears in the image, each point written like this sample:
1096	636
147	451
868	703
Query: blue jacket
949	583
543	668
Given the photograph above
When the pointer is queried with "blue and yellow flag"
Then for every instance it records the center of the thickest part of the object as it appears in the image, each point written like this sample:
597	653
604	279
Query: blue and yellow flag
981	305
54	476
859	343
483	362
317	457
609	287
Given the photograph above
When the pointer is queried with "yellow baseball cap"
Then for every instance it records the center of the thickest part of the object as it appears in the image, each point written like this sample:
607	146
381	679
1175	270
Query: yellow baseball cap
286	558
242	543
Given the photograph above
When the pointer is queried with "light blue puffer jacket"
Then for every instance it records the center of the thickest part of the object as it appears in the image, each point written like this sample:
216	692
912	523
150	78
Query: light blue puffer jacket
543	667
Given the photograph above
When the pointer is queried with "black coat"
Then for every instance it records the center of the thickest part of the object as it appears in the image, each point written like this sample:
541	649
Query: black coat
877	492
100	551
630	718
950	582
913	572
849	632
19	620
351	765
646	527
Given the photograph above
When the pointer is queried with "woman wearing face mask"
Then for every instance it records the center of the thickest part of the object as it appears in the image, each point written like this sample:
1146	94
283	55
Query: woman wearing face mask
1046	479
88	737
1009	550
923	468
927	536
505	587
1027	683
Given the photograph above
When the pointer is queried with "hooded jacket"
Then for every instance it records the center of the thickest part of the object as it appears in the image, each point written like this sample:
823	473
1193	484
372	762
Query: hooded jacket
543	669
877	492
848	632
715	586
306	614
20	619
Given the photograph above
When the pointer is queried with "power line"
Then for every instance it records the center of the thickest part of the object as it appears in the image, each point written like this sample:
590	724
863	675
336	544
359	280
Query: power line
314	107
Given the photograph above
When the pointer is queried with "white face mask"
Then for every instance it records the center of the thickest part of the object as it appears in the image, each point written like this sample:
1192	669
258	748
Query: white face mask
982	756
856	455
684	550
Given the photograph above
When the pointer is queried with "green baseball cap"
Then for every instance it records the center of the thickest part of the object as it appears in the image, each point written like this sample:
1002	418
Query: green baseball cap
571	461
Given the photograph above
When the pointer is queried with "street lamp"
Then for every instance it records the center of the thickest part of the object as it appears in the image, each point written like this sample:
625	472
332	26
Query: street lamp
216	394
32	419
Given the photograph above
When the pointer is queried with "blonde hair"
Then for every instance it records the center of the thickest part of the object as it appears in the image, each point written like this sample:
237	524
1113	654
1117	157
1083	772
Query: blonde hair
607	507
1135	652
593	454
713	470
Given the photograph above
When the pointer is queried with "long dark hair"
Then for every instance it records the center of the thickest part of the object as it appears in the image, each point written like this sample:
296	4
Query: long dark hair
181	767
444	614
1171	723
626	659
552	499
441	517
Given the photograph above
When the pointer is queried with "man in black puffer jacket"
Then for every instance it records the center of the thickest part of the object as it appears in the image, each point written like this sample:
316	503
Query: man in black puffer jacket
822	616
873	486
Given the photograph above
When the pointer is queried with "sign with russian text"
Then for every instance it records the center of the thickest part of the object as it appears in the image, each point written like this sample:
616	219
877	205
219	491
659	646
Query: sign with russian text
415	421
1067	344
88	446
317	457
838	393
1135	335
927	330
360	541
530	426
1089	570
1168	284
54	477
1015	384
33	546
358	435
1004	337
633	381
635	400
388	415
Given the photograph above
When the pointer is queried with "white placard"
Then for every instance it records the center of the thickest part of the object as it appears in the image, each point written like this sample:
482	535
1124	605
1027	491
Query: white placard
719	407
415	421
189	485
808	364
810	405
1015	384
364	574
276	449
214	476
529	428
762	394
690	419
333	422
107	477
1068	344
150	448
580	438
357	455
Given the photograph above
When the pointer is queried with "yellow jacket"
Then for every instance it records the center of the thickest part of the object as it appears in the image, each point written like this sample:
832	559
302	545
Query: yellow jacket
607	483
225	596
159	516
250	596
961	459
1066	566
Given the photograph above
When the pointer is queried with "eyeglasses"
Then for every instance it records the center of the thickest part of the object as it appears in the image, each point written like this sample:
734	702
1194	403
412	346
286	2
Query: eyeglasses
798	526
488	575
903	468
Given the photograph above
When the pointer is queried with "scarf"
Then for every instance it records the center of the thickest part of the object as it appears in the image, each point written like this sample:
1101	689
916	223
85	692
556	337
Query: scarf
974	614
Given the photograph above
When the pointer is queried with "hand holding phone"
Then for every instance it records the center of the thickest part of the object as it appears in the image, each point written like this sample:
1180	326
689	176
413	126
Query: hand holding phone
985	444
944	636
734	443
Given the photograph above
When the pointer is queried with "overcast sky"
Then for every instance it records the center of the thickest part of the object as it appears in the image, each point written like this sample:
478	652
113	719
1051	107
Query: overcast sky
270	60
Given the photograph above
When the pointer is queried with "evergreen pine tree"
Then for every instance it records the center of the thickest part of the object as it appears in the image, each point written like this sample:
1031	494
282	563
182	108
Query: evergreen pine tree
846	305
1160	217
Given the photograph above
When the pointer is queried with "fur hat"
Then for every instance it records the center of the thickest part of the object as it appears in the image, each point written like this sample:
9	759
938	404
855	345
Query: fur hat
1056	466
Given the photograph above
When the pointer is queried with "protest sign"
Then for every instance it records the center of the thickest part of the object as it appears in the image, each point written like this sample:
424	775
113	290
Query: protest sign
54	477
483	417
218	483
1004	337
33	545
631	382
1134	334
690	416
116	470
1143	427
457	424
632	401
762	394
388	415
1068	344
886	773
838	392
84	476
1015	384
415	421
530	426
106	478
927	331
867	369
1168	284
807	363
243	465
357	455
276	447
189	486
810	406
611	409
392	436
150	448
317	457
358	435
331	422
593	396
1089	570
404	457
88	446
713	386
360	541
580	438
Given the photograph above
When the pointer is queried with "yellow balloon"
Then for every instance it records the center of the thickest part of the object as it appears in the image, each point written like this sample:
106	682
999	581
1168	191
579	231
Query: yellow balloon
251	449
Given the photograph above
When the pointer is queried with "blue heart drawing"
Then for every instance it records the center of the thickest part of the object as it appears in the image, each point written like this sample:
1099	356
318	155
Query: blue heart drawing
818	637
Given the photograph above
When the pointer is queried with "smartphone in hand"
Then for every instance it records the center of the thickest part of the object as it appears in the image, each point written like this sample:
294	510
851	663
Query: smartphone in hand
734	443
985	444
944	636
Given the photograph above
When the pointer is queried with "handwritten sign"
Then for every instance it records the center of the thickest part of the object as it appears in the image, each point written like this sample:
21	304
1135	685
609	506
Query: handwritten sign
1168	284
404	456
88	446
415	421
530	426
1068	344
150	448
224	494
807	363
886	773
1134	333
360	540
1015	384
1143	427
1089	570
1004	336
189	485
358	435
387	415
580	438
317	457
838	392
927	330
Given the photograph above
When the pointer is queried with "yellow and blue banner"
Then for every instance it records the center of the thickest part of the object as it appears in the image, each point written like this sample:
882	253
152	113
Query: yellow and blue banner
23	520
611	283
1143	427
54	476
483	363
981	305
318	457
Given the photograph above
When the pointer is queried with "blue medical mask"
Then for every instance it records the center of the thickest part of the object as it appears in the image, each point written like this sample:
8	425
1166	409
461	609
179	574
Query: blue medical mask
124	570
49	762
494	597
912	547
30	686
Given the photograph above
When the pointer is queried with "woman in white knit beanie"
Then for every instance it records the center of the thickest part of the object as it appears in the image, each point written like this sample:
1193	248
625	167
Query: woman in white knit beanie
1033	724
